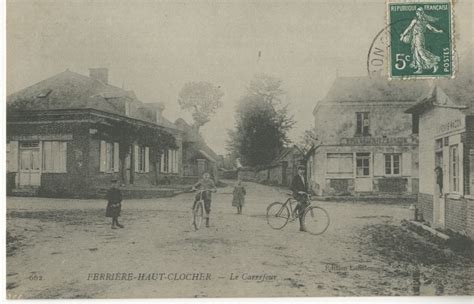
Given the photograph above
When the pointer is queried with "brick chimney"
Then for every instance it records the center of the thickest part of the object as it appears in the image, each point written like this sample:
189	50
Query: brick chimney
100	74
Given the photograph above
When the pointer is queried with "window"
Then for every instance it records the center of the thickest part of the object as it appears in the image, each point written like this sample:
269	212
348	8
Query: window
169	161
454	168
109	157
340	163
54	156
363	164
141	158
392	164
363	123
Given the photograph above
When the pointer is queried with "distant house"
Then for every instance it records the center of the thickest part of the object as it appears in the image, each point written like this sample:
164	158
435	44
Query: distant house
198	157
365	143
444	122
283	168
71	134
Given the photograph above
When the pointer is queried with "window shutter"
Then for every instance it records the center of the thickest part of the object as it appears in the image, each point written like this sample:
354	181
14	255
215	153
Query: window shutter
147	159
170	161
103	158
379	164
162	162
13	157
406	164
116	157
63	157
135	157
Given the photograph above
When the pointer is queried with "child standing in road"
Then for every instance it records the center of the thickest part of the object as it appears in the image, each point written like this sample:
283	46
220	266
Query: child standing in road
206	184
114	204
238	199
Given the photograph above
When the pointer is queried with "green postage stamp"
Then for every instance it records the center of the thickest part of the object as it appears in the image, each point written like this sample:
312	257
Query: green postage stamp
421	39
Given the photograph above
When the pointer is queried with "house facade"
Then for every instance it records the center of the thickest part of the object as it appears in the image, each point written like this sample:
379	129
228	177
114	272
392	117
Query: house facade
365	144
444	122
70	134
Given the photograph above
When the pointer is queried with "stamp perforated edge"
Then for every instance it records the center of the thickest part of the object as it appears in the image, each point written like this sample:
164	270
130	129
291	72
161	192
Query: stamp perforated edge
453	40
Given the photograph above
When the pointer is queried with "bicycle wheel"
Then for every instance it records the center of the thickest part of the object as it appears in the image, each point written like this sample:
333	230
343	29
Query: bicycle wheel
277	215
197	215
315	220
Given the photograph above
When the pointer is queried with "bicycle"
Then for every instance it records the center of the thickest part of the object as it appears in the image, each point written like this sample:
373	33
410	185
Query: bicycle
315	219
199	209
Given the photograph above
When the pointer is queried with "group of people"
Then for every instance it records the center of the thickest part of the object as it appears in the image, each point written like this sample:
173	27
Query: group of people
207	186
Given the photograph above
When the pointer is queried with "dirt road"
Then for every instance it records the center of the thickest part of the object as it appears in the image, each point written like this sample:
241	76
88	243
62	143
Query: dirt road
60	248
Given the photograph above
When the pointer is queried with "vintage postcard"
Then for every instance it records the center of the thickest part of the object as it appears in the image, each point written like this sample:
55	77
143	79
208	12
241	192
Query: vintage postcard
231	149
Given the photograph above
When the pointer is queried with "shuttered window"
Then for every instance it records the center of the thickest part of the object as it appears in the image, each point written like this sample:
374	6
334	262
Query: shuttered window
109	157
392	164
142	159
54	156
454	168
169	161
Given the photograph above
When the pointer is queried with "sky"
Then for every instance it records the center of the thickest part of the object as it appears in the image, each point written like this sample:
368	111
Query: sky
155	47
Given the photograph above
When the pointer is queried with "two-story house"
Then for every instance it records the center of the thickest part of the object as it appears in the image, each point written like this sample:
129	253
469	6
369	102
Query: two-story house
365	143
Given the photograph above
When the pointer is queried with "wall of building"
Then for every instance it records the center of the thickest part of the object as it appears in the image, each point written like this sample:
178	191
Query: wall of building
386	119
425	206
324	183
429	124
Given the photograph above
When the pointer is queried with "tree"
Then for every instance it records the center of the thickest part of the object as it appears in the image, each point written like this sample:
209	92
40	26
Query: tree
202	99
262	123
308	140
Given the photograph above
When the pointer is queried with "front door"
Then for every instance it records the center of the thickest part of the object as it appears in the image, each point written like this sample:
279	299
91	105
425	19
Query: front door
363	180
30	164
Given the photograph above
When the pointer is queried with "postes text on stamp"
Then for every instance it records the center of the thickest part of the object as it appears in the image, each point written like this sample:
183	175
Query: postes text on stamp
421	39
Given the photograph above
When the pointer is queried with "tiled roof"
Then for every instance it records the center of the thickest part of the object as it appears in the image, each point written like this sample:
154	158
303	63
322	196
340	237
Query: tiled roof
70	90
192	135
374	89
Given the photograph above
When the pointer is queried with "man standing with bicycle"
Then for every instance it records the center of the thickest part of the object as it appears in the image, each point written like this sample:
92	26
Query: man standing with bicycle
299	188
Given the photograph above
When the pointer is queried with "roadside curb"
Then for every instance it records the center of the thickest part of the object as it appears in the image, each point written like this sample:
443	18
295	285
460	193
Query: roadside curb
412	224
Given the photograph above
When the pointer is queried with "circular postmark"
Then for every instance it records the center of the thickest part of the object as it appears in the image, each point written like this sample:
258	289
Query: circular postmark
378	55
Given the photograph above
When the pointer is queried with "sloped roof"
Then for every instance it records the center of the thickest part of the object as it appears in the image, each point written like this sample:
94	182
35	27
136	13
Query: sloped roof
70	90
459	91
374	89
192	135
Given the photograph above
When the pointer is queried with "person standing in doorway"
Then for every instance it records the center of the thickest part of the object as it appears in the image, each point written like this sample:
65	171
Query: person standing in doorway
439	180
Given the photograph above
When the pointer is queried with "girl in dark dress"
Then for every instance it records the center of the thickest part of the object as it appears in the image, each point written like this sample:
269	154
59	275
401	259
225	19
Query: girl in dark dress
114	204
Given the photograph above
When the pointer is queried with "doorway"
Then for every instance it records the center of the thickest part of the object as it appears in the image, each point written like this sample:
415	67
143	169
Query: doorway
30	164
439	201
363	180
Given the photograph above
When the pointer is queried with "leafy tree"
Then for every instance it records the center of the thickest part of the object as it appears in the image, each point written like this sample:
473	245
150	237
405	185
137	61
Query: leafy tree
202	99
262	123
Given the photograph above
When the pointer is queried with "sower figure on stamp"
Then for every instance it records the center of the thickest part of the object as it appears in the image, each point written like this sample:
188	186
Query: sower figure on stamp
207	185
299	188
114	204
415	34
